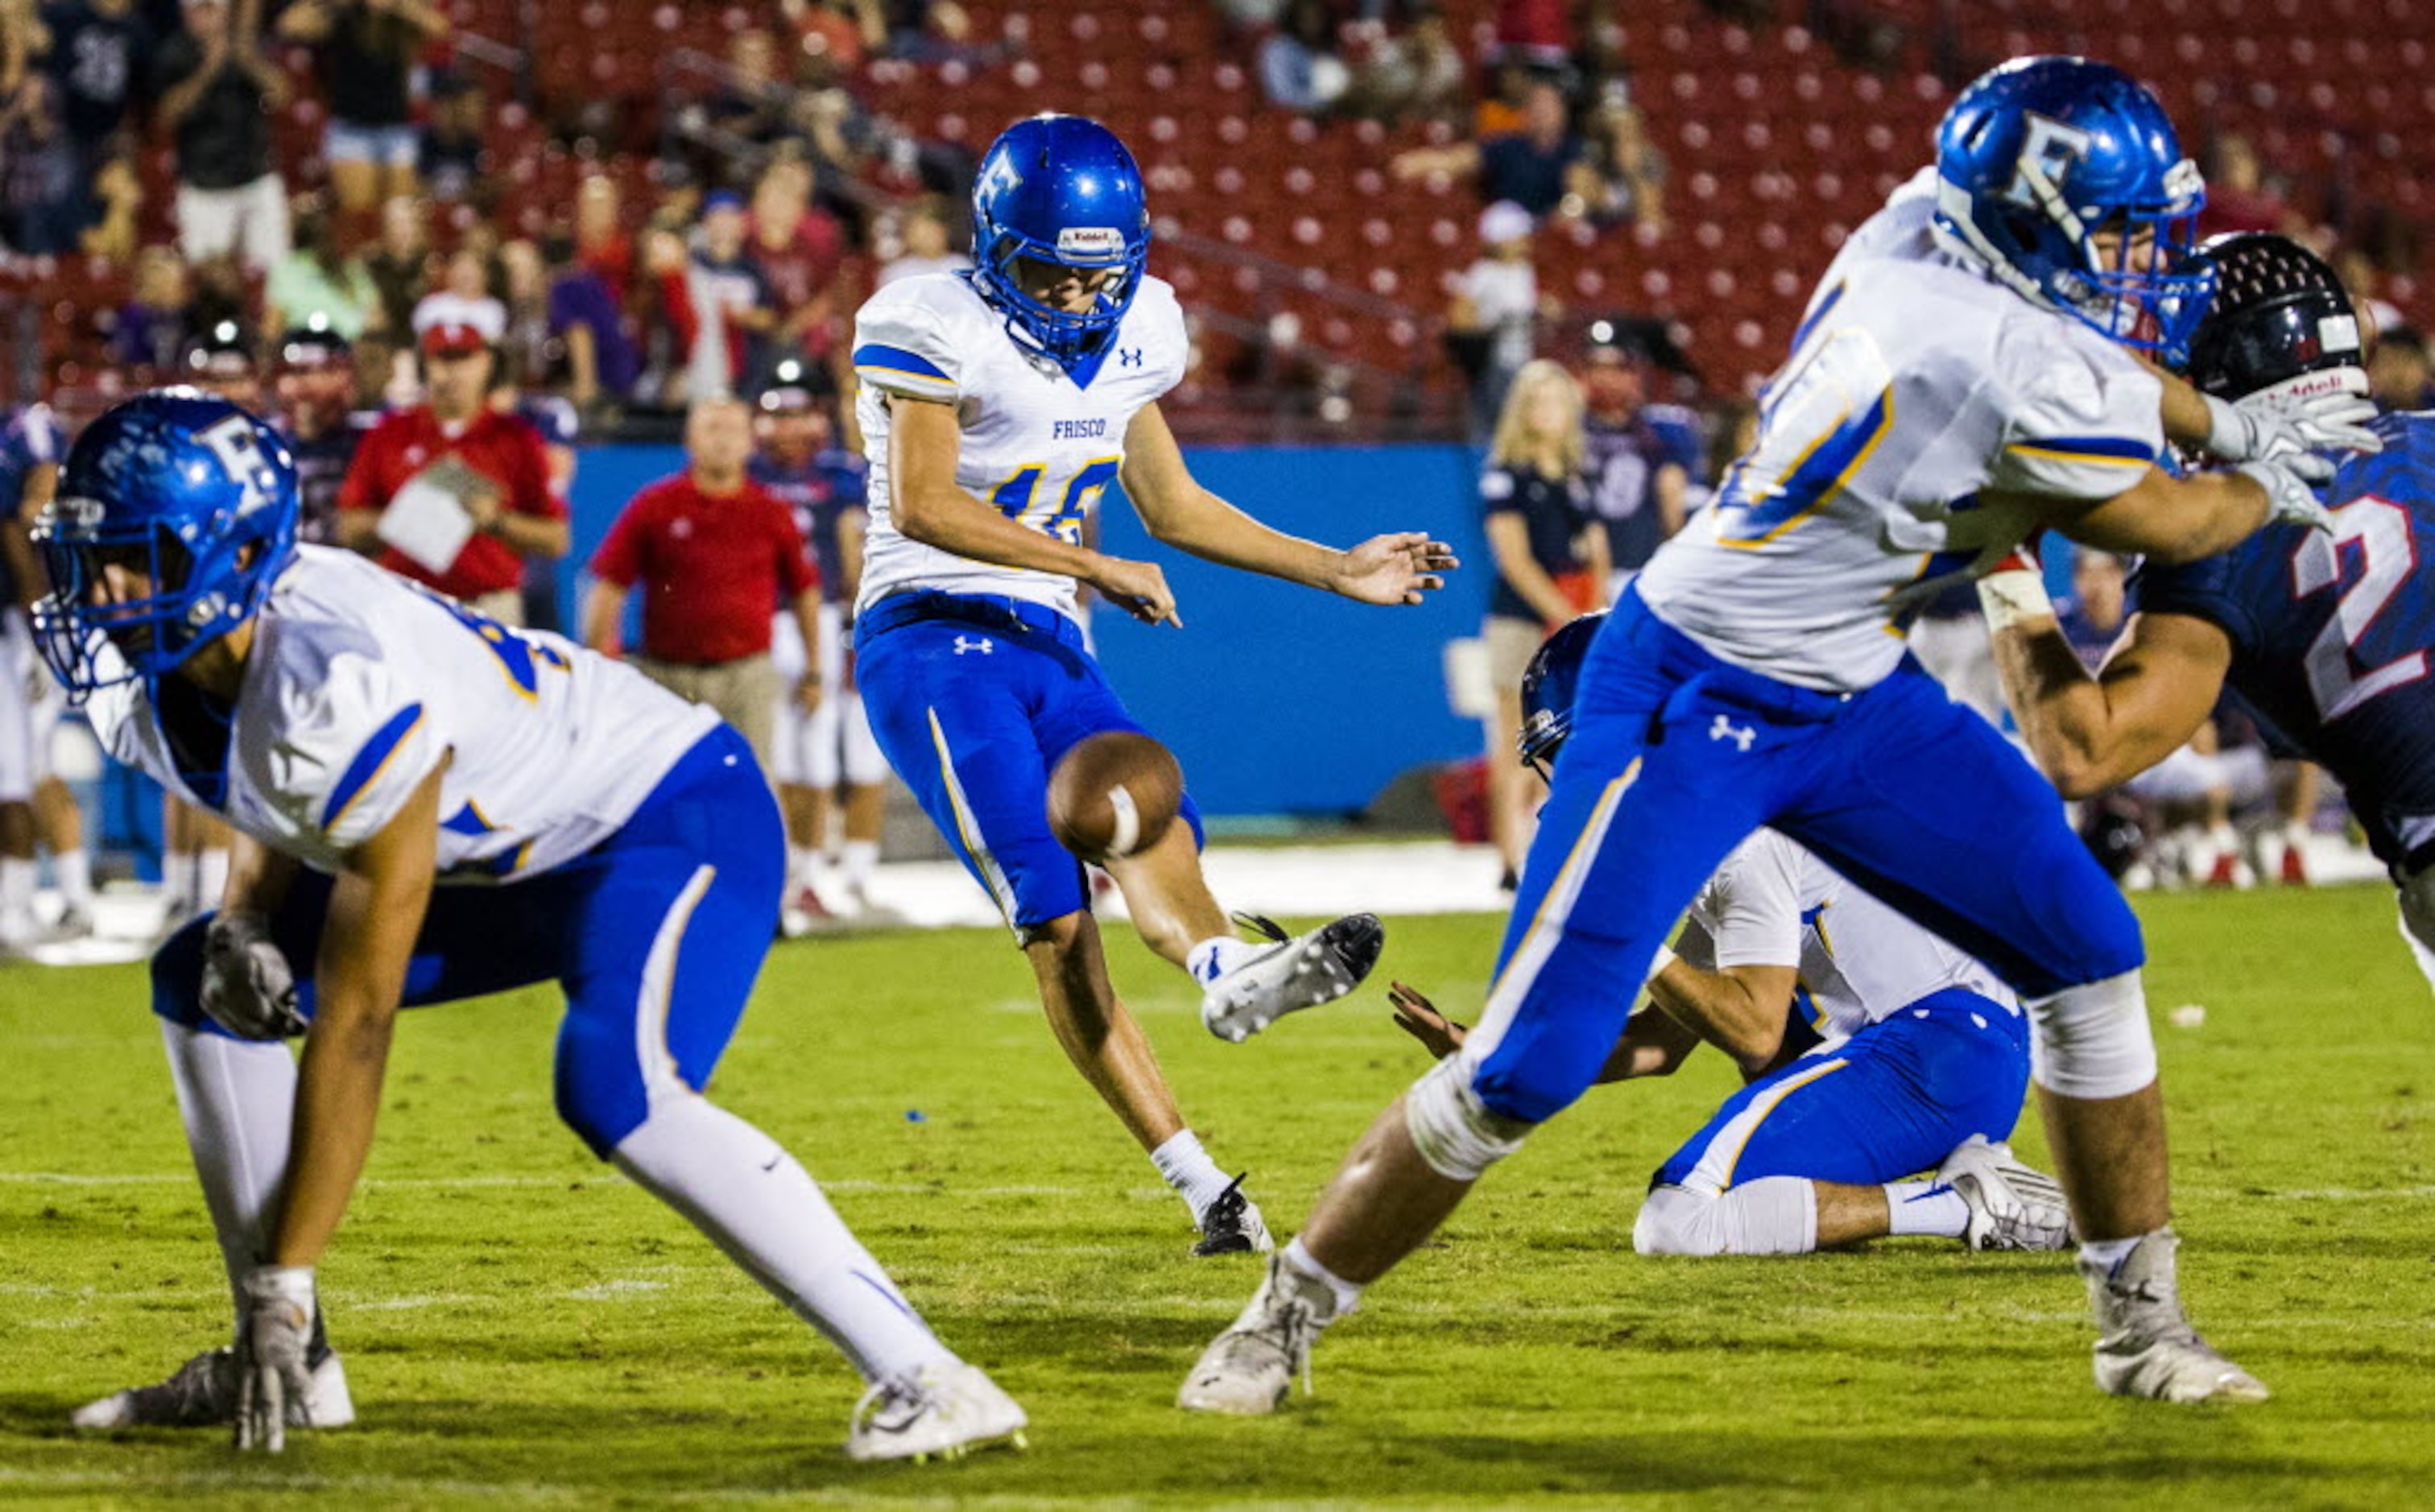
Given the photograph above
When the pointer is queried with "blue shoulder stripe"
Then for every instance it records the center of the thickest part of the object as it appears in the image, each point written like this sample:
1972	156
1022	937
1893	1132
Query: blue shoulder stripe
896	359
369	762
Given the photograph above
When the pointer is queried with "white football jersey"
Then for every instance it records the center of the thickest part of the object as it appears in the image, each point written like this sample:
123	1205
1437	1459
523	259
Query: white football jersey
1915	381
359	683
1773	904
1035	444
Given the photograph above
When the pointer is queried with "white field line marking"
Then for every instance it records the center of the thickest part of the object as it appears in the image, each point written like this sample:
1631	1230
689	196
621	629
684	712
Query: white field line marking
947	1186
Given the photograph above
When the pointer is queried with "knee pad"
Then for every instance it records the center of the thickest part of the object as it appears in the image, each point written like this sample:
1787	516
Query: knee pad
1454	1132
2094	1041
1676	1221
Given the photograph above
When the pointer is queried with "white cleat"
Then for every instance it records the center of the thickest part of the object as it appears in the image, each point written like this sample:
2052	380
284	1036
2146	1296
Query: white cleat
945	1411
2145	1346
1247	1370
1296	973
204	1394
2011	1206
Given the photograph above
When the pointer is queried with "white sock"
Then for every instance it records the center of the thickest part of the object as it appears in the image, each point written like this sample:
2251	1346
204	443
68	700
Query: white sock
177	877
758	1204
211	877
74	869
2107	1253
861	859
16	887
1926	1208
1217	955
238	1100
1188	1169
1347	1294
800	861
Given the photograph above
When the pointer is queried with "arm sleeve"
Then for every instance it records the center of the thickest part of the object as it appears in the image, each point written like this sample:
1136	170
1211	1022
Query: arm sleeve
353	751
902	346
2081	422
1754	905
619	559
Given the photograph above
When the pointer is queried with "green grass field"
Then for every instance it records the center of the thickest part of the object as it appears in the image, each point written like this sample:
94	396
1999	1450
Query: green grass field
521	1326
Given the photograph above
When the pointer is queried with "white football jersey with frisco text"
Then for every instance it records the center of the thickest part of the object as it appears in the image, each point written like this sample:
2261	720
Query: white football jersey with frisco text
1035	443
1773	904
358	683
1916	383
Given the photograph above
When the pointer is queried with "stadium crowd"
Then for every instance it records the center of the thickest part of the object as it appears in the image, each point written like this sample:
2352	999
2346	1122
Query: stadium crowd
383	287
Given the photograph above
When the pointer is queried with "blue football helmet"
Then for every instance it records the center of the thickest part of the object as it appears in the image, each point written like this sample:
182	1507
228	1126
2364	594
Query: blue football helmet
1062	190
179	491
2038	157
1548	690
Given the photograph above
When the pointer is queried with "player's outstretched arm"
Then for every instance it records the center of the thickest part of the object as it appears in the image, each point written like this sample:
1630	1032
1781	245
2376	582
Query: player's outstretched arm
1399	568
2090	732
2175	519
924	440
1739	1009
376	910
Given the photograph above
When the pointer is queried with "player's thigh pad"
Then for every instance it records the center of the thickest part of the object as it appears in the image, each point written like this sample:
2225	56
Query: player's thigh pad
958	726
1921	801
666	924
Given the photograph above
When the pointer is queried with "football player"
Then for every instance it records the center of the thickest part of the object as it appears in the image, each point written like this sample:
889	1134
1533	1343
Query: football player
30	443
2327	635
430	807
997	406
316	385
1959	379
827	760
1873	1050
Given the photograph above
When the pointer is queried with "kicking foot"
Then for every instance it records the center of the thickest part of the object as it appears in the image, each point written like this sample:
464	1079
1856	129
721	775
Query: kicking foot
1247	1370
204	1394
942	1411
1230	1224
2011	1206
2145	1348
1295	972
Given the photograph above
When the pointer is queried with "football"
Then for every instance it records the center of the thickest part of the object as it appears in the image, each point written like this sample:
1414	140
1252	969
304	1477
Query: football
1114	795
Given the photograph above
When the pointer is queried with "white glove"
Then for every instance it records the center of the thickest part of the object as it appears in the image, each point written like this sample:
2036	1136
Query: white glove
2280	425
273	1333
2014	590
2288	499
247	988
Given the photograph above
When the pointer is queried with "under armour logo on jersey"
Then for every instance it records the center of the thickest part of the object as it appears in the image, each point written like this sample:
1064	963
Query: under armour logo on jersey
1129	356
1724	729
984	645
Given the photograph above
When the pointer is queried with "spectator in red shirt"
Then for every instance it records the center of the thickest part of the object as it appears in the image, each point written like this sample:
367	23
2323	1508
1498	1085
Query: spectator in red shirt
716	554
493	463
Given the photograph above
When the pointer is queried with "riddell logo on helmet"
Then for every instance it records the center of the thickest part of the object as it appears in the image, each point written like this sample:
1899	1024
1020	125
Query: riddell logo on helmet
1091	241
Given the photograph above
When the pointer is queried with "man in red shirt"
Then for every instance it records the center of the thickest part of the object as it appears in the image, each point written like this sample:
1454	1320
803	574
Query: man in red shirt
716	554
492	464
